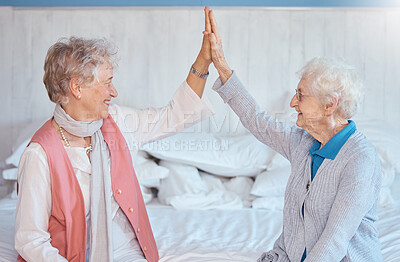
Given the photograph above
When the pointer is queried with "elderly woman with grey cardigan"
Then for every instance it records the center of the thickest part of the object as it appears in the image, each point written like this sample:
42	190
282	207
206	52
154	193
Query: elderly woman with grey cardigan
331	195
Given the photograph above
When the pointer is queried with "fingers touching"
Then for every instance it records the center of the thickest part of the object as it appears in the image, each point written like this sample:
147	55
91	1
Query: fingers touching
214	27
212	34
217	53
207	19
211	23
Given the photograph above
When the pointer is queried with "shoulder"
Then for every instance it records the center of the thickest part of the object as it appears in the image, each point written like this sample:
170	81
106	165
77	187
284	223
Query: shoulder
34	156
359	144
360	158
301	139
33	162
35	151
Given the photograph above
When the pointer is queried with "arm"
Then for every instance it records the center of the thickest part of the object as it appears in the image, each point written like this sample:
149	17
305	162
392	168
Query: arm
32	240
150	124
185	109
357	194
264	127
217	53
203	60
277	135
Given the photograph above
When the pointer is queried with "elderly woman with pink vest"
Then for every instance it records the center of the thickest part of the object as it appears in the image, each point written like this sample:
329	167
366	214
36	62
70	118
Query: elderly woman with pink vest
79	198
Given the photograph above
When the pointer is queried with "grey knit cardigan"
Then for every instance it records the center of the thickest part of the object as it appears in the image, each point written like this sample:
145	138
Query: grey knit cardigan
340	205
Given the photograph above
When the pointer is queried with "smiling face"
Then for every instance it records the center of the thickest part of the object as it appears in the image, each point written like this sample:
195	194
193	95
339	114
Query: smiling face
95	99
311	114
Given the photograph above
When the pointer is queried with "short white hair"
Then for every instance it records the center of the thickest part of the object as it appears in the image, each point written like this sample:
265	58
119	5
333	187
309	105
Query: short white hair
333	78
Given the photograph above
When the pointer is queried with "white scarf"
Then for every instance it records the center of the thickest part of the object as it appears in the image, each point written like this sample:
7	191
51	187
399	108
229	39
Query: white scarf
100	185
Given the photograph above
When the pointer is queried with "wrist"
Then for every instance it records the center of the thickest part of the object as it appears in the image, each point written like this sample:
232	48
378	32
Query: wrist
202	64
224	72
198	73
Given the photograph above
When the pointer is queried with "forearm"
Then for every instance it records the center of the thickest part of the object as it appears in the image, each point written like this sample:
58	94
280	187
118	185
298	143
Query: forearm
196	83
151	124
39	251
278	253
263	126
202	62
224	71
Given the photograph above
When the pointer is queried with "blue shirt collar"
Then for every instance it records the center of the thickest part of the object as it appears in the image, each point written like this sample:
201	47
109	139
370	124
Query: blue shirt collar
331	149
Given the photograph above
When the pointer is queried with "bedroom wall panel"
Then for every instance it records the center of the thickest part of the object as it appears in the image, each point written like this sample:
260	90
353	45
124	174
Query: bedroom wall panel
6	78
391	79
157	45
367	50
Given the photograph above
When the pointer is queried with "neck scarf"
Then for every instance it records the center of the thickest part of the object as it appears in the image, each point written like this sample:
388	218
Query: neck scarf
100	226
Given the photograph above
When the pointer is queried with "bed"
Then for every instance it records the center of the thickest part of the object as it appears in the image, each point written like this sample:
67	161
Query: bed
216	197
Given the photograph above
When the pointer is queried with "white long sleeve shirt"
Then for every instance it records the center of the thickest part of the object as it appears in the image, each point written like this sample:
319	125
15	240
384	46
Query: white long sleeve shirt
138	127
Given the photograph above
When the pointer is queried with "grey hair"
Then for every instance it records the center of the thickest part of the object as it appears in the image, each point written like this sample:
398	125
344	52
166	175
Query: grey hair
75	58
333	78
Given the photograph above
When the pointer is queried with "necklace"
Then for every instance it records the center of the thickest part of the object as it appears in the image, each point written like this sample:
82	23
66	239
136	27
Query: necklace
63	137
88	149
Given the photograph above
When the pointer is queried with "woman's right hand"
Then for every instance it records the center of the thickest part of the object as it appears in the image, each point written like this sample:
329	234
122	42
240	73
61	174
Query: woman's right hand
217	53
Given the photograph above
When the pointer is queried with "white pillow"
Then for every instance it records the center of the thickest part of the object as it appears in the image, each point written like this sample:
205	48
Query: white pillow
187	188
228	156
14	158
242	187
10	174
395	189
147	194
385	139
271	183
387	143
273	203
25	135
148	172
385	195
182	179
385	198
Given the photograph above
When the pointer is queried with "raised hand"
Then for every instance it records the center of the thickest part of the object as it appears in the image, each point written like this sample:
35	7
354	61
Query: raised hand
205	52
217	53
195	81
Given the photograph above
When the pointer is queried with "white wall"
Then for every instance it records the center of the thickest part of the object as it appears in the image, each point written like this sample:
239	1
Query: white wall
266	46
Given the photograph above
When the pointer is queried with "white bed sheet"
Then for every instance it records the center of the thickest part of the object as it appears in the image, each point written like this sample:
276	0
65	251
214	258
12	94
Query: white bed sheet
214	235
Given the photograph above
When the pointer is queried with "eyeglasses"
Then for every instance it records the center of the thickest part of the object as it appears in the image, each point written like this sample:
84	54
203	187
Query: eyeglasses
299	95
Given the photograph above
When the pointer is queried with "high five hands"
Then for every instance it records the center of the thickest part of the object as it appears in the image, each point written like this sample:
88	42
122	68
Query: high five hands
213	45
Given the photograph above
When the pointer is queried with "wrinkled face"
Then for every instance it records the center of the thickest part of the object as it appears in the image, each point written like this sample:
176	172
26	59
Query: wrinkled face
96	98
310	112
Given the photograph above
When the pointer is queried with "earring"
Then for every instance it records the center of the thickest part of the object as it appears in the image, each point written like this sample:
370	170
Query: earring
79	96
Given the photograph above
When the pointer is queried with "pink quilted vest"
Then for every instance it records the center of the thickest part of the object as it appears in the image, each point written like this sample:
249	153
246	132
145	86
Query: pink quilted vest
67	223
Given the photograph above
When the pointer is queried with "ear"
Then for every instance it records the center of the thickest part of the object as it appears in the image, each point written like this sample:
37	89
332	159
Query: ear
75	88
331	107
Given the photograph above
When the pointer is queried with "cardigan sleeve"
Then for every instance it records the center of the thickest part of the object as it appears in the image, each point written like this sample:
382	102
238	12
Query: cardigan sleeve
279	136
357	194
278	253
32	240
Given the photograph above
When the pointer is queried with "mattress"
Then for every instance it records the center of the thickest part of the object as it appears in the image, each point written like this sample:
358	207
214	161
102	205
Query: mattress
214	235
